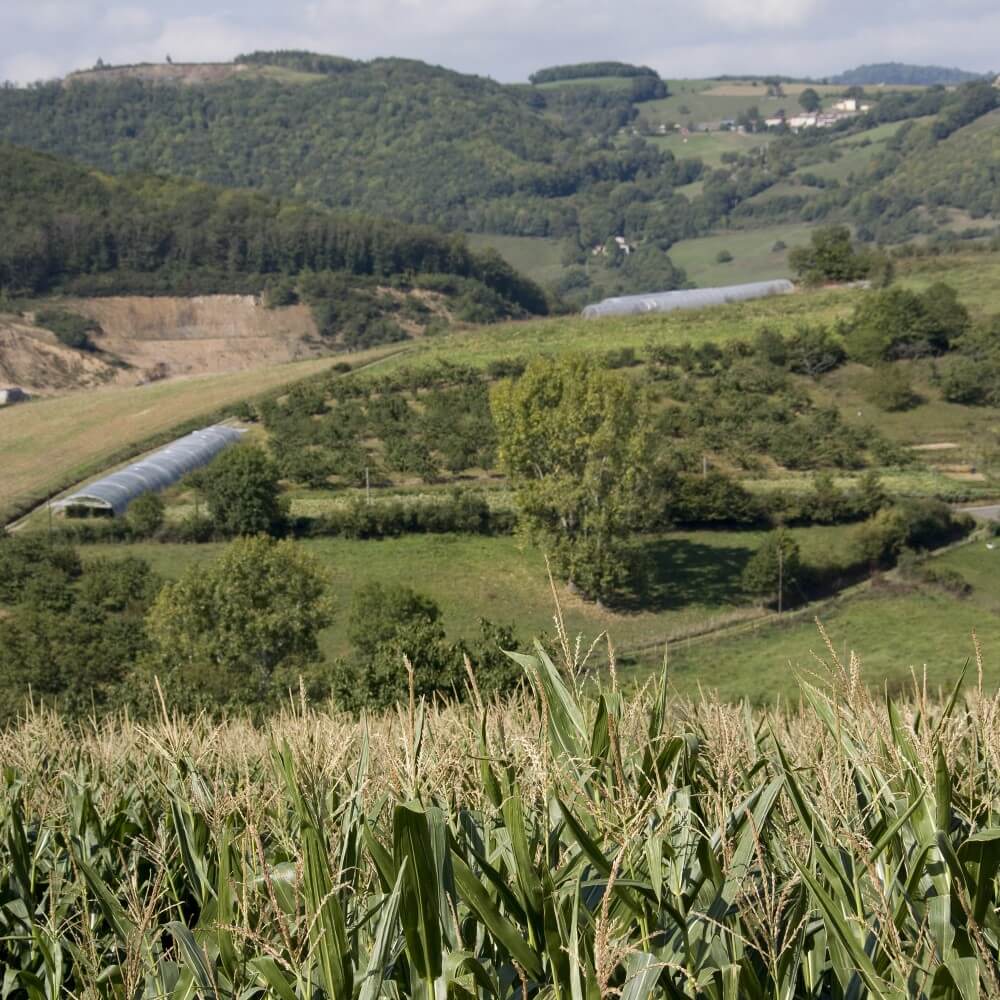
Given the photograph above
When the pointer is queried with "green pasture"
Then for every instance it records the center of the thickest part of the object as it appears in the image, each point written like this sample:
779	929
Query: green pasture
696	581
754	258
709	146
535	256
900	629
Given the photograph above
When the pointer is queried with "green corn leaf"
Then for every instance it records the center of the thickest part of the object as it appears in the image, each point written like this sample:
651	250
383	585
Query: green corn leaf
956	979
507	935
600	738
194	958
942	792
524	873
384	863
225	909
953	698
267	969
566	726
119	921
490	784
194	864
980	857
327	932
847	936
883	842
642	972
459	964
593	853
381	951
421	905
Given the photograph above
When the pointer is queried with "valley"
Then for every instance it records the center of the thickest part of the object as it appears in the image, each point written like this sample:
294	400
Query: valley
379	623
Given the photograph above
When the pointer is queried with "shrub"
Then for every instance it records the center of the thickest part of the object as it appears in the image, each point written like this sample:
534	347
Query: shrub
240	629
914	524
813	350
23	556
145	514
622	357
710	499
972	383
241	489
889	388
898	323
774	569
830	256
459	511
723	257
70	328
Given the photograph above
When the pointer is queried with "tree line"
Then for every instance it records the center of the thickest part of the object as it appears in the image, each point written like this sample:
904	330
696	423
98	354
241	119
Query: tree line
65	228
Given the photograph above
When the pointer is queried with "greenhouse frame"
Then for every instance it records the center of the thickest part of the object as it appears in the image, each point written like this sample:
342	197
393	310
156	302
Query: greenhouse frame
692	298
113	493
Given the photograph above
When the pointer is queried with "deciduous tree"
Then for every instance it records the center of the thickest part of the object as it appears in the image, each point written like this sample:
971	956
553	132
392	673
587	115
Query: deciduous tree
230	631
575	442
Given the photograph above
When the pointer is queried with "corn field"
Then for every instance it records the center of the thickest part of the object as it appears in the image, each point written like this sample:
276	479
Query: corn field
564	844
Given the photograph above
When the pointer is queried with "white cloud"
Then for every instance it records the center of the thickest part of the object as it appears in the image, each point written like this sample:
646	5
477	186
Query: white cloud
29	67
749	14
507	39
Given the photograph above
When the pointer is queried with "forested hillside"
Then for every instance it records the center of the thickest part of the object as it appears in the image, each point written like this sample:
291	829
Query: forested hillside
894	73
392	137
611	174
69	229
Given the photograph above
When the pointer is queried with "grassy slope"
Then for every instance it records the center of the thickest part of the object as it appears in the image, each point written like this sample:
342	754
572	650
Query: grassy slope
975	276
716	100
480	345
753	257
51	444
709	146
896	628
535	256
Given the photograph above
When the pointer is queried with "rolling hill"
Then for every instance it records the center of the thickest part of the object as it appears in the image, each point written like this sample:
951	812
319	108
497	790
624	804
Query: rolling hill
391	137
906	74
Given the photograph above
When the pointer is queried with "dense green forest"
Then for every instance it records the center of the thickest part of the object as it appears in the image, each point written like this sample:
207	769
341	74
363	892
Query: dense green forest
905	74
591	70
66	228
394	138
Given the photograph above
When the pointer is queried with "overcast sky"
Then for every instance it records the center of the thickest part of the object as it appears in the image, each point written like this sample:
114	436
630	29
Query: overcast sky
507	39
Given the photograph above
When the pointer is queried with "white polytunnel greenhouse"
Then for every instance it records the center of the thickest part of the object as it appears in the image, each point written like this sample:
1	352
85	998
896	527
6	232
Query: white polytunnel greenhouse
113	493
691	298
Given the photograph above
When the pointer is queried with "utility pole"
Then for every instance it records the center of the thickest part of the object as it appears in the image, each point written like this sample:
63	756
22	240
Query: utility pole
704	466
781	567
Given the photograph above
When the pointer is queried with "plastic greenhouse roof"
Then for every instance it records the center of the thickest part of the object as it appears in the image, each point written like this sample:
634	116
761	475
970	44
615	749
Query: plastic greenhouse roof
693	298
156	472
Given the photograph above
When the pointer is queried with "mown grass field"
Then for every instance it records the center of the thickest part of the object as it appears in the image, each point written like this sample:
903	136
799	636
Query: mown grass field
754	257
51	444
535	256
696	581
896	628
709	146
